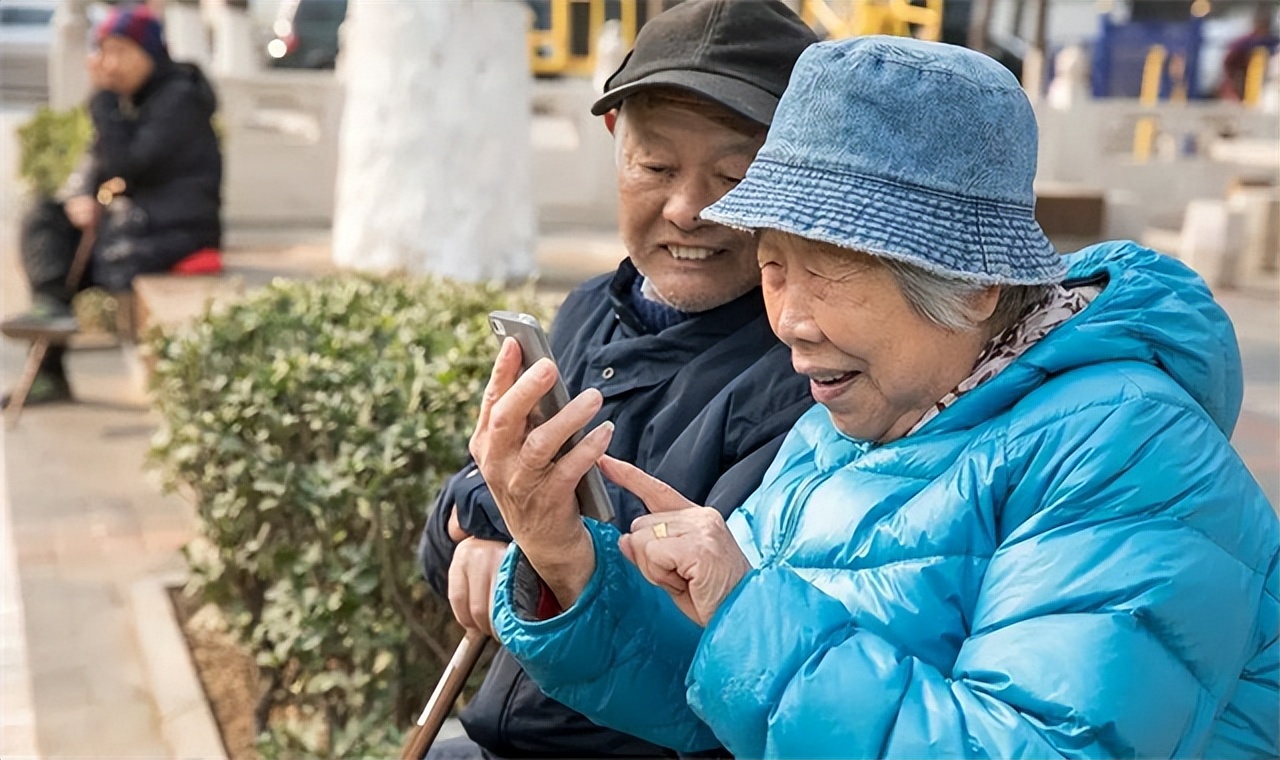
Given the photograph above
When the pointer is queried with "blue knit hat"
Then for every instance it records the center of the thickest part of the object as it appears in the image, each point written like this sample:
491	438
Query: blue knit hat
916	151
138	24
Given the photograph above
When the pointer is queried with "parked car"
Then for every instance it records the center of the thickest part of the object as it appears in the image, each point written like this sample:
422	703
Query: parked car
26	34
305	34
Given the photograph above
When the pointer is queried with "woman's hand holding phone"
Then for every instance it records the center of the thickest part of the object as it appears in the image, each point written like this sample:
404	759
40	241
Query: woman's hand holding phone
532	484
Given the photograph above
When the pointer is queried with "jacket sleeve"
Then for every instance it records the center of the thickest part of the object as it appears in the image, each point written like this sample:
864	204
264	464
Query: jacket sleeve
435	547
478	513
466	493
129	148
1110	620
619	655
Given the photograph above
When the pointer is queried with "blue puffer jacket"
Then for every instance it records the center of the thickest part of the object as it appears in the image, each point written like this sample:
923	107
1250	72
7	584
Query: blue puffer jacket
1069	561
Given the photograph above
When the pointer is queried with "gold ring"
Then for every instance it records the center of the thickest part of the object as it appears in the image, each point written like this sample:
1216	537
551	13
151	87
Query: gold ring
660	530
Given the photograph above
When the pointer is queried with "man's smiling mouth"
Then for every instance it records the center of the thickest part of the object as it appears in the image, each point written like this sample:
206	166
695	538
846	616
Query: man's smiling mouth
691	253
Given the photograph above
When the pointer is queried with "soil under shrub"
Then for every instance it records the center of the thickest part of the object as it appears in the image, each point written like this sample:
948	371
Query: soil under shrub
228	675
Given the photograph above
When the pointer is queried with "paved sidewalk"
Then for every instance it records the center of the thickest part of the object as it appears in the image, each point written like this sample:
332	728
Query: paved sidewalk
79	524
17	718
86	525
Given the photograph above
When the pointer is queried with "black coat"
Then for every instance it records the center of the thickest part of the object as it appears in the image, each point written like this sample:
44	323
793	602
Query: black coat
162	144
703	406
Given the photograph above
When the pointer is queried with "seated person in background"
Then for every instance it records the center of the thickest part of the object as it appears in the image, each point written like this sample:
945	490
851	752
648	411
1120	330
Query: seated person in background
675	344
1013	527
149	189
1235	64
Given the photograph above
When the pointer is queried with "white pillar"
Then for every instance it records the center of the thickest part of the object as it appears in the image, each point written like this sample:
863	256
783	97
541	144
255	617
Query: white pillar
68	78
434	150
234	52
185	33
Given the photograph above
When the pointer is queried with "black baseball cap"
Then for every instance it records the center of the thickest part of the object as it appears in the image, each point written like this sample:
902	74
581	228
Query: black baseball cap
737	53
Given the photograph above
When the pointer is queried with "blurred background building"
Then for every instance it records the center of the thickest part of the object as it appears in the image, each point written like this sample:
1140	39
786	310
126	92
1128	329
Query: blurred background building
1144	129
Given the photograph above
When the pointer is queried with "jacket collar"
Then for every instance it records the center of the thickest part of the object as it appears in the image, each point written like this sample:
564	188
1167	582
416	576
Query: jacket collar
723	319
162	71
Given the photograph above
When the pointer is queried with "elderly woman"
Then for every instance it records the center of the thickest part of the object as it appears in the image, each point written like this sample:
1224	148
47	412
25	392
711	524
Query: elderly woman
1014	526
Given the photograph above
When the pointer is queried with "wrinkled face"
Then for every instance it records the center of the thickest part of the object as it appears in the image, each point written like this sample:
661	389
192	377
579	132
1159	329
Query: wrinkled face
672	163
123	65
873	361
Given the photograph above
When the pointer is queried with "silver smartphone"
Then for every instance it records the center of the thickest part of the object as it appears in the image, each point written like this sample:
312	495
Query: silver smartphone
593	499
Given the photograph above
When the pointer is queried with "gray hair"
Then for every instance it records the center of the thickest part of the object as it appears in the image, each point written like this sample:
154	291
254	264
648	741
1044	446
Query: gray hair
948	302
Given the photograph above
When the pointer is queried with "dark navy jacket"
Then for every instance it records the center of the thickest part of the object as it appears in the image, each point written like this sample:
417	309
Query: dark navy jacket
163	145
703	406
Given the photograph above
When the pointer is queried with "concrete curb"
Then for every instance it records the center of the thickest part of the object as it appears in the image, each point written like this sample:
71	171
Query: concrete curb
186	722
17	713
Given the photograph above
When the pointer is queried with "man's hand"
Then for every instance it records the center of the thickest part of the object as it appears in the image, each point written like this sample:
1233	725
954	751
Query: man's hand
471	578
83	211
684	548
533	489
98	78
456	534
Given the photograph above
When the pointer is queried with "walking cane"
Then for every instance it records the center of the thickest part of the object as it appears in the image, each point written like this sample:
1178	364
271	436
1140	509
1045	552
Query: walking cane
452	680
40	346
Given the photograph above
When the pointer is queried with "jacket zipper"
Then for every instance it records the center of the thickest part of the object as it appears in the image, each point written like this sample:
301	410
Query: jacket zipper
793	507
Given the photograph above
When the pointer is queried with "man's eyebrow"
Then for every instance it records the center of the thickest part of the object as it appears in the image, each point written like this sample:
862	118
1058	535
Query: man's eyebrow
647	134
747	146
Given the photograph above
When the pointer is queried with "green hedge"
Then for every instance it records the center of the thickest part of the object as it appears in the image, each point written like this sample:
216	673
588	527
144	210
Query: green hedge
50	145
313	423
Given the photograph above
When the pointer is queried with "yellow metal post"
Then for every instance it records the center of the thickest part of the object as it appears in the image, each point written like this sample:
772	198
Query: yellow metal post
1144	133
630	14
1254	76
928	17
820	14
550	50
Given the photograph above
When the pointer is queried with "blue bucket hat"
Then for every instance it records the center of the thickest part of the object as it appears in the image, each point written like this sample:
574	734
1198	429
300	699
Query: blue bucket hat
916	151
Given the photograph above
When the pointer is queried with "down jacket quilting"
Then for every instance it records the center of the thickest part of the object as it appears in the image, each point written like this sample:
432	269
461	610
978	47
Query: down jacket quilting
1069	561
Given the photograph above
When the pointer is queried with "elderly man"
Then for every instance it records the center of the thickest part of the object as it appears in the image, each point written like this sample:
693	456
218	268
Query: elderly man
676	340
149	189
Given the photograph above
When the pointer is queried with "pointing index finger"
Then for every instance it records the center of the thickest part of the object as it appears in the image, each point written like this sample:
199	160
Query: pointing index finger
656	495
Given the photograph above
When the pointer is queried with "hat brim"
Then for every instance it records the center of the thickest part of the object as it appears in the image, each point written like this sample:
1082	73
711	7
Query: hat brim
741	97
977	241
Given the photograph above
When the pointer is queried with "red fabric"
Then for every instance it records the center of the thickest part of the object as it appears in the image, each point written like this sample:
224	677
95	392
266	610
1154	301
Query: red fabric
548	605
203	261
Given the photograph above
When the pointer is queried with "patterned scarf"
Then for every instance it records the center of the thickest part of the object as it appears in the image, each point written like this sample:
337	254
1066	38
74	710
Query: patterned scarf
1003	349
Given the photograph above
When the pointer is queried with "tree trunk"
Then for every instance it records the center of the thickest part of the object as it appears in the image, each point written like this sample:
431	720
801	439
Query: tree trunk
68	77
434	152
185	33
234	50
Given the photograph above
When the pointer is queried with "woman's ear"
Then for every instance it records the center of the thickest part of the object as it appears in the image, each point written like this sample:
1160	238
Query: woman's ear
611	120
985	302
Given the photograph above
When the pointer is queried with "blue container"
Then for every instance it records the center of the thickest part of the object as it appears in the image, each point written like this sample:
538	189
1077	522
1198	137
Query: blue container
1121	52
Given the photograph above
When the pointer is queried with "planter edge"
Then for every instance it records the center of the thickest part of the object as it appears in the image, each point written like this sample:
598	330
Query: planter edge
186	721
